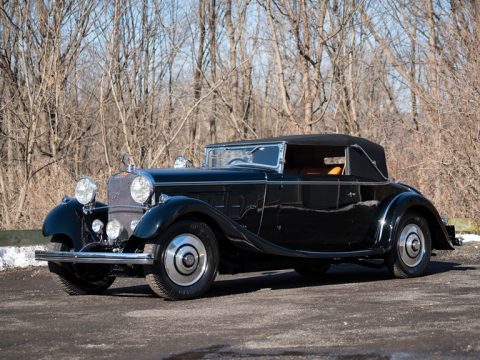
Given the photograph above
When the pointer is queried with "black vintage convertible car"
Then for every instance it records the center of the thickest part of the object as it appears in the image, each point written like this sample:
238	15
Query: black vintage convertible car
301	202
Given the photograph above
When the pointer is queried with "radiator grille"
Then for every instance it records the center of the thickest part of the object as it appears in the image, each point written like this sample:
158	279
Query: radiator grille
120	200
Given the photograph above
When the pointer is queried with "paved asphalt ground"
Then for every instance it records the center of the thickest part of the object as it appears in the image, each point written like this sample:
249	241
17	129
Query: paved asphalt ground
353	313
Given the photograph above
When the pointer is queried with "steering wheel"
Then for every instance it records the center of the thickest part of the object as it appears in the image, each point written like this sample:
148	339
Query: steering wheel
235	160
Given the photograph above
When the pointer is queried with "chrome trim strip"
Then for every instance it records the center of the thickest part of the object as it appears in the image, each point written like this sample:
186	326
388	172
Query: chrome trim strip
384	216
251	142
283	157
329	182
346	168
278	182
306	183
95	257
91	210
339	254
209	183
263	206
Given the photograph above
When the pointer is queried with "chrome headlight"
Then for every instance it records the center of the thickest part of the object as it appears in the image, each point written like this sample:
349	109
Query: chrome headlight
114	229
97	226
141	189
85	190
182	162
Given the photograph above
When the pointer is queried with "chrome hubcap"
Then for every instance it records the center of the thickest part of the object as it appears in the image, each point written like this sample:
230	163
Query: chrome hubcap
411	245
185	259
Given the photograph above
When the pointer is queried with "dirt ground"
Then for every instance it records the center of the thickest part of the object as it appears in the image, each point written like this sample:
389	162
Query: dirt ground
352	313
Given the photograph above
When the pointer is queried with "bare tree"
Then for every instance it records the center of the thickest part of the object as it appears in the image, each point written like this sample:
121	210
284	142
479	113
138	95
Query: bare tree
82	82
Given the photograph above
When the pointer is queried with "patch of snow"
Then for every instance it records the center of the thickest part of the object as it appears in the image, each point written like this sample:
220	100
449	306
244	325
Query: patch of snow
469	237
19	256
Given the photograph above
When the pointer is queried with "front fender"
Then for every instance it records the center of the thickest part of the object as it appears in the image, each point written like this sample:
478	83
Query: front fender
68	219
157	219
397	206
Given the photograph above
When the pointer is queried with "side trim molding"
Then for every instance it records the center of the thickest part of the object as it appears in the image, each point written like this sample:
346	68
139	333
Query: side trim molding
275	182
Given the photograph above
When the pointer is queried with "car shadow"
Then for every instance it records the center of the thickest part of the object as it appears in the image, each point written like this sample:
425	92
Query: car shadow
289	279
438	267
337	275
130	291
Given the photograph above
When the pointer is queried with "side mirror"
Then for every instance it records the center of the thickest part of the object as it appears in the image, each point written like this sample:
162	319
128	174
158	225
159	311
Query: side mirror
182	162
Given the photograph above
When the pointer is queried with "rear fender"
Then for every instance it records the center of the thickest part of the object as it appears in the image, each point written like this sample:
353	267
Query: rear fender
68	219
397	206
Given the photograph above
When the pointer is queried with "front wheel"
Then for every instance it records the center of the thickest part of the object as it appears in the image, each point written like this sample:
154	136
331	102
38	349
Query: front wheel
78	279
186	261
410	254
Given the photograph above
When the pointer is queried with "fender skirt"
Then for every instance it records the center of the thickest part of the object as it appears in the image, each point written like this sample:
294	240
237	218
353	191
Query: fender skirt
397	207
156	220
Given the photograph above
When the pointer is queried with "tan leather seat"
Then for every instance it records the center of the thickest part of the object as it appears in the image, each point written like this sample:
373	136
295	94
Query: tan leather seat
337	170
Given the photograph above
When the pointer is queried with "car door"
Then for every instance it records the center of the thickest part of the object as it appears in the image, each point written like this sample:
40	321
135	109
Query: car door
360	206
350	213
307	212
362	191
269	227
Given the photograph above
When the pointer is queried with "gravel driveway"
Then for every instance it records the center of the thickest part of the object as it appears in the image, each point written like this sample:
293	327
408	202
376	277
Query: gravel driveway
352	313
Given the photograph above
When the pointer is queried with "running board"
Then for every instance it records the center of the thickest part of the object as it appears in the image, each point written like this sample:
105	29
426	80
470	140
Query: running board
95	257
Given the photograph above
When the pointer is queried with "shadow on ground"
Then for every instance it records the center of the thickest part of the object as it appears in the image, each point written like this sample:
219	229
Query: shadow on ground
280	280
224	352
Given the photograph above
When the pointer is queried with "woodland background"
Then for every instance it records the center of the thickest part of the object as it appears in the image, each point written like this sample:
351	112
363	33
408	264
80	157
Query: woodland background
82	82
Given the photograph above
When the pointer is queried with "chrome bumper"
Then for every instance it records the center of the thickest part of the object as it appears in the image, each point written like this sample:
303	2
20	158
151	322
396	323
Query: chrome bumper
95	257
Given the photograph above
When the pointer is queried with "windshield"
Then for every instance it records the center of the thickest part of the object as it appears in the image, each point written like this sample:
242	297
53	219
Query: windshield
238	156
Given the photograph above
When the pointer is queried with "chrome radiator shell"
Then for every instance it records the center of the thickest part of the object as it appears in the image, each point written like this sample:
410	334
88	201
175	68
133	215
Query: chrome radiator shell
121	205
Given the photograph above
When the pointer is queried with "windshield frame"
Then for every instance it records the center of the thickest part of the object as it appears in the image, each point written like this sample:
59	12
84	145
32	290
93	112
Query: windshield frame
278	167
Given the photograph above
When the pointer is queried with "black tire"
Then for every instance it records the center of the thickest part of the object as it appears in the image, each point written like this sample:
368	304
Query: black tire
157	275
404	261
313	272
64	275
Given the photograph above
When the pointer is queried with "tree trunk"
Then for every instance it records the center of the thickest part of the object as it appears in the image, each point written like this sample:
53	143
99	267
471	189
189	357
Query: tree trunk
212	27
197	76
232	59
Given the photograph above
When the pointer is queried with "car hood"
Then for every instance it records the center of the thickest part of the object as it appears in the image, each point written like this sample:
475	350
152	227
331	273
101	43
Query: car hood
204	175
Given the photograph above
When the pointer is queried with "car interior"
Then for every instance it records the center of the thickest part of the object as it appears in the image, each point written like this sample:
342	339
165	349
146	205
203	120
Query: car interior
315	160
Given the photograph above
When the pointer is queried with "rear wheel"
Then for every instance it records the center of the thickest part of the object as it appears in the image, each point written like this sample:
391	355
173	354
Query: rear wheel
313	272
410	255
94	278
186	261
